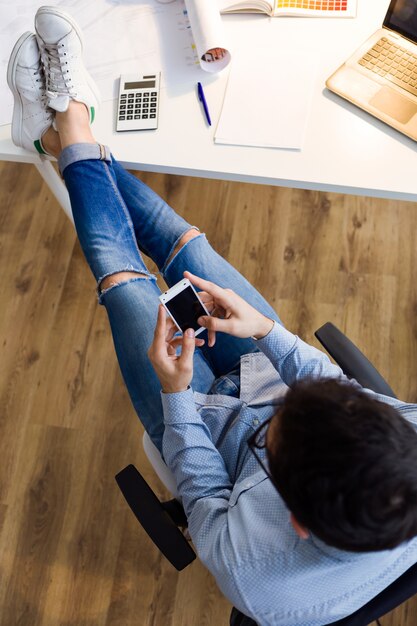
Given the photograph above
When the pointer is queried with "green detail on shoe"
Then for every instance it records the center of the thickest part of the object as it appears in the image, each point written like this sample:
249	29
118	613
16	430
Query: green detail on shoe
92	114
38	147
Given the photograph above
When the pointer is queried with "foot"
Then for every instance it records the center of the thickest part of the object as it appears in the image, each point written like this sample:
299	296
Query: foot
60	43
31	117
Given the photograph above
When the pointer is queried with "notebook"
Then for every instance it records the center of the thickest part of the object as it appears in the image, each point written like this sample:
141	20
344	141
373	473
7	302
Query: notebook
282	8
381	76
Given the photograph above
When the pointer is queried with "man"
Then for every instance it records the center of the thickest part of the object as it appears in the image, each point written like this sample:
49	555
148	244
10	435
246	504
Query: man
299	486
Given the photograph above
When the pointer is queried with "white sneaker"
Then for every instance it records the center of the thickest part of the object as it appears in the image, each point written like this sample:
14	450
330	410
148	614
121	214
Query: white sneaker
31	117
60	43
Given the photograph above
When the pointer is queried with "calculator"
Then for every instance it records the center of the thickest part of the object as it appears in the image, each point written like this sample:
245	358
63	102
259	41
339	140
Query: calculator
138	102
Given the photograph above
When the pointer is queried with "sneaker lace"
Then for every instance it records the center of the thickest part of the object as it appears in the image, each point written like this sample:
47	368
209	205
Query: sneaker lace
56	81
40	79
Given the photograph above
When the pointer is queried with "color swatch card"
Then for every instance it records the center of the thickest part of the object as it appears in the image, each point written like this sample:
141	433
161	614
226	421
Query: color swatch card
268	104
302	8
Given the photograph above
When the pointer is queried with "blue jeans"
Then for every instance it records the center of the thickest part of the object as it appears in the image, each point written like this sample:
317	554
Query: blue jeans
117	216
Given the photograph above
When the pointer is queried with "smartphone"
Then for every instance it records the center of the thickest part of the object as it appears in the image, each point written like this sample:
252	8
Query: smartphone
184	306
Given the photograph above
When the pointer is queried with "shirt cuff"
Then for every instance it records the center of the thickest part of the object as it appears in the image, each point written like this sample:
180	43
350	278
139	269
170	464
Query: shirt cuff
179	408
279	341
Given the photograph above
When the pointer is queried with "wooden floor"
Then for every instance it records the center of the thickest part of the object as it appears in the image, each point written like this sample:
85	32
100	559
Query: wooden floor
71	553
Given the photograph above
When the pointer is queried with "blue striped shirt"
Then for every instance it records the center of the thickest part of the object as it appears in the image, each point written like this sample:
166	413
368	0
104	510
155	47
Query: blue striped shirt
239	525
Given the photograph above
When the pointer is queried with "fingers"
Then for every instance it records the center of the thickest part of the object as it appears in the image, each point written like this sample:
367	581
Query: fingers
160	328
211	288
158	347
170	328
223	297
215	324
211	338
177	341
188	347
207	300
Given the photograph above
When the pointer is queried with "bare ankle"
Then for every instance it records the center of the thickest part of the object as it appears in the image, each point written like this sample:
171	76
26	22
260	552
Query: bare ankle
50	142
73	125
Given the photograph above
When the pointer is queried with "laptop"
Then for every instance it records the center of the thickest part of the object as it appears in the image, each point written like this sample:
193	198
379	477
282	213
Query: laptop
381	76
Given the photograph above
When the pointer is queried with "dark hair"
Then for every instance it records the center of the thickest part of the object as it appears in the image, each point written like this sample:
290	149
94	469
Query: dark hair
345	464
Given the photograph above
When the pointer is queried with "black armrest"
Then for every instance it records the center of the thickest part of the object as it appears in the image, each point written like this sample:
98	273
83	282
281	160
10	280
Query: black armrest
150	513
351	360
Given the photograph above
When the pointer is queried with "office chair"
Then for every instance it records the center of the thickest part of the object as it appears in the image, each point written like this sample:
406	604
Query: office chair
162	520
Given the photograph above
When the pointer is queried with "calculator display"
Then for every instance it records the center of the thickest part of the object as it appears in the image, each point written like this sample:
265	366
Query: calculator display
140	84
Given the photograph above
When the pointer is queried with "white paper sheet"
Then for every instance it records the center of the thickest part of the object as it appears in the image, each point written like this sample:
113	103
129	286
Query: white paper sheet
268	100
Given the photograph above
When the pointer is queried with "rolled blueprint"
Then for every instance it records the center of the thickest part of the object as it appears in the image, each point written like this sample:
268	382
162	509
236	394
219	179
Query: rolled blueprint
208	34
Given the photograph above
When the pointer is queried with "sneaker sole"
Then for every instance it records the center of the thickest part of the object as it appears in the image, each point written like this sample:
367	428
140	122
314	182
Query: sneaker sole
17	120
74	25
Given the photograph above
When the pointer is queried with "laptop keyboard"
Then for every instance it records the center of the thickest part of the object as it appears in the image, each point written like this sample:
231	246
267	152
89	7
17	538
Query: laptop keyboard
394	63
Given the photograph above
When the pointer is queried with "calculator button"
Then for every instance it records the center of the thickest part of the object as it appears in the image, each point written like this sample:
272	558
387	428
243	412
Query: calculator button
122	106
130	106
153	110
123	96
137	117
154	93
122	117
153	99
144	117
152	115
130	117
146	100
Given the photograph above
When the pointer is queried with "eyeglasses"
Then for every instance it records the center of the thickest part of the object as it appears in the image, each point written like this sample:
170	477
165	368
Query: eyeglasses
257	441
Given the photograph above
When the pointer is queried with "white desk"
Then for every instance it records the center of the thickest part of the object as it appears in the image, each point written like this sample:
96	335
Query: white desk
345	149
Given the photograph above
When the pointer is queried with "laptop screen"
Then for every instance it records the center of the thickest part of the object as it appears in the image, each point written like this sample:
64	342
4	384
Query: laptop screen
402	17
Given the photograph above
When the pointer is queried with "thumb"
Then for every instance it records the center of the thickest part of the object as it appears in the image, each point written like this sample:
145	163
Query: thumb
188	346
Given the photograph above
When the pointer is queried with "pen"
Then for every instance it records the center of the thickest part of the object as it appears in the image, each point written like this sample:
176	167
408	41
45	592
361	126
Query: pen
202	99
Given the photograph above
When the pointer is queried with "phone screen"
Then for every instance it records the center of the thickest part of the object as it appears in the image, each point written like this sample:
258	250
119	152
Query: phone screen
186	309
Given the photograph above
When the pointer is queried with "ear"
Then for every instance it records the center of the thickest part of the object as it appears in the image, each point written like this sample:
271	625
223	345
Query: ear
301	531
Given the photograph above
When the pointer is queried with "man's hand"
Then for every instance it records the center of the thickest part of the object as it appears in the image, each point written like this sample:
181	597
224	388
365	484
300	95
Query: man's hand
229	313
174	372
